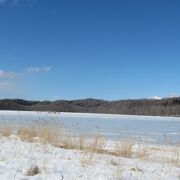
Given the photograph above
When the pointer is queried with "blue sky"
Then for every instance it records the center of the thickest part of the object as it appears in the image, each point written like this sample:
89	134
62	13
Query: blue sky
71	49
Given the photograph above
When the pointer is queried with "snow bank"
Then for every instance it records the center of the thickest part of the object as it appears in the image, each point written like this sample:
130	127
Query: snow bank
16	157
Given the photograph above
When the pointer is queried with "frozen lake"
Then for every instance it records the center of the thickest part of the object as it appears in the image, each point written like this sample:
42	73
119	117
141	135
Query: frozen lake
146	129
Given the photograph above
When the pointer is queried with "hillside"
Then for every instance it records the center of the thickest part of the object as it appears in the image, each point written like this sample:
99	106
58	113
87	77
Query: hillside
164	107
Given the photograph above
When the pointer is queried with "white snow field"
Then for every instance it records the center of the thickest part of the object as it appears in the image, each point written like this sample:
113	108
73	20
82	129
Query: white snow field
151	158
16	157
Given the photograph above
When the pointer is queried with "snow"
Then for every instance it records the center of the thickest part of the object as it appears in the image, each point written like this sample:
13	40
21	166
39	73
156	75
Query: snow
16	157
155	98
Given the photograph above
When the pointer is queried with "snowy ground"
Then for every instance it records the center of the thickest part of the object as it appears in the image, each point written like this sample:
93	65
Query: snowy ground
152	158
16	157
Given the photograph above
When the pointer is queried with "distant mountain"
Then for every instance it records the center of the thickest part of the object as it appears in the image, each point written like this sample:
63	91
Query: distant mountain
156	107
155	97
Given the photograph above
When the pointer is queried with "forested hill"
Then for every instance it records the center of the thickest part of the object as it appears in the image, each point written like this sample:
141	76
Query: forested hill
164	107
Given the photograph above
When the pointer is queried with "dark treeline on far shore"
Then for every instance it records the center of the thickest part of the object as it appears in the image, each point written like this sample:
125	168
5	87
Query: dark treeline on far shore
163	107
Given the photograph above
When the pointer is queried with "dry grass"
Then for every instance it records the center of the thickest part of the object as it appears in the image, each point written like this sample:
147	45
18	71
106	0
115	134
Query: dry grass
90	147
58	137
96	145
47	136
44	135
176	160
164	154
6	131
27	134
82	142
124	149
142	153
68	141
55	137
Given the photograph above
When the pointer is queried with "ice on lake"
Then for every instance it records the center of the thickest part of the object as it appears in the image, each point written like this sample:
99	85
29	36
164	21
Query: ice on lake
147	129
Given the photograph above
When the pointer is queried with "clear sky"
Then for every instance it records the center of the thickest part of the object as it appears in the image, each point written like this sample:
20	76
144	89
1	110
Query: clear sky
106	49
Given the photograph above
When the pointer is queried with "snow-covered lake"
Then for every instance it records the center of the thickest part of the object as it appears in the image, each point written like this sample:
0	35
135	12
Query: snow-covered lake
147	129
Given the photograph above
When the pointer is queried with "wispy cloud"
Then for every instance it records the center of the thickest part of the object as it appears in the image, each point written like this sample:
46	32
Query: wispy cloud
38	69
2	1
7	75
12	75
12	82
54	98
15	2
